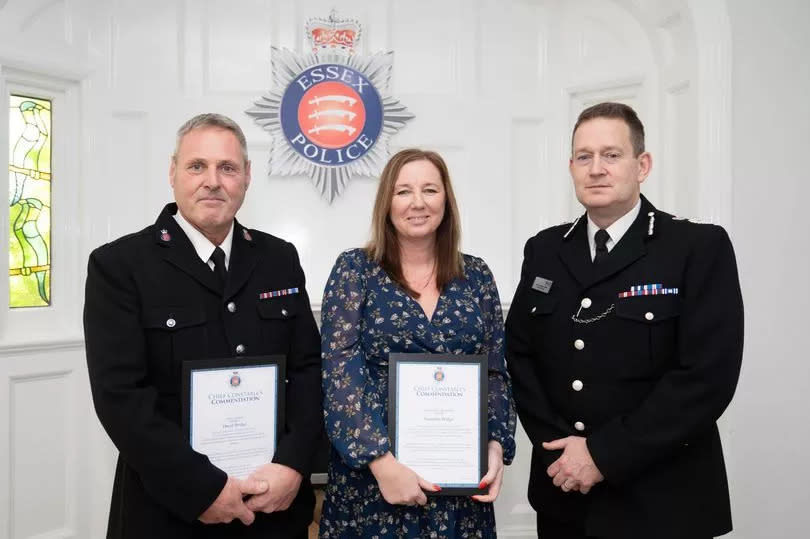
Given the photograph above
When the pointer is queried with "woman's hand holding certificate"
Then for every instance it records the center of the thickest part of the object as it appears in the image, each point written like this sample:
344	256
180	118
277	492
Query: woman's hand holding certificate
398	483
492	481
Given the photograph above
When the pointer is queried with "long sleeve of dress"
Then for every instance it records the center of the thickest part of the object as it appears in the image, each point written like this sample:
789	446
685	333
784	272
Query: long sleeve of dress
501	407
352	412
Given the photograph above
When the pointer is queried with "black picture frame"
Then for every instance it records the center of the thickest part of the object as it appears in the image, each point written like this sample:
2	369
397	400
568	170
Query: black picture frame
483	389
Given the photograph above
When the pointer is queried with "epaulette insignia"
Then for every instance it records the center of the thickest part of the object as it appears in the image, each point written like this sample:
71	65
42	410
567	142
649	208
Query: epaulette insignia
572	227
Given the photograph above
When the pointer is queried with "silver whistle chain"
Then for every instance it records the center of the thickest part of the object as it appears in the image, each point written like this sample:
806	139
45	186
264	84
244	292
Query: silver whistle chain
596	318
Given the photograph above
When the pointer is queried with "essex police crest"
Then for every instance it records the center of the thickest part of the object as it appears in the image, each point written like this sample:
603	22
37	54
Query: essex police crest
438	375
329	113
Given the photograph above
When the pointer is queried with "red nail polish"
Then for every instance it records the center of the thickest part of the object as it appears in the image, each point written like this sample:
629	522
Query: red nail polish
482	485
437	488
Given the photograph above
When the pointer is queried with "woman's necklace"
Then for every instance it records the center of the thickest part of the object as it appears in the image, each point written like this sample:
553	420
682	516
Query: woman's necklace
426	281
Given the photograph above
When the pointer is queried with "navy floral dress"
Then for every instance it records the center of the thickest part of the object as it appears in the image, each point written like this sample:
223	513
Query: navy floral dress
366	316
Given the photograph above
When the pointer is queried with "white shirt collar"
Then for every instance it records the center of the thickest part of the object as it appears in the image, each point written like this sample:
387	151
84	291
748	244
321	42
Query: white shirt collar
615	231
203	245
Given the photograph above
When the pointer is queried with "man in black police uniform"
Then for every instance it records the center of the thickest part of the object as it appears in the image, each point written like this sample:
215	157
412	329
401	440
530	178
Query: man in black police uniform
187	288
624	344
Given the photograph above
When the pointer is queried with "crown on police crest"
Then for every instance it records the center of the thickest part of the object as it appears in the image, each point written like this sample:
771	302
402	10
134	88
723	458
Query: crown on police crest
333	34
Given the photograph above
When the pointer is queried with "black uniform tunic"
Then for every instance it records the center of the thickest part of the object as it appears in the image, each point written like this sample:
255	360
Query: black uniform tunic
643	377
151	304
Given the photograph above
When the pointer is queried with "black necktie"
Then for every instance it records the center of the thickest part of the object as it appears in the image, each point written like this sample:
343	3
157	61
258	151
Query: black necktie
601	238
218	258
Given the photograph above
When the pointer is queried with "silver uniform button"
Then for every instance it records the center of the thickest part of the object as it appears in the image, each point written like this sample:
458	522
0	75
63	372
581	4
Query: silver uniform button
579	425
171	322
284	312
649	316
240	348
586	303
534	310
231	307
579	344
577	385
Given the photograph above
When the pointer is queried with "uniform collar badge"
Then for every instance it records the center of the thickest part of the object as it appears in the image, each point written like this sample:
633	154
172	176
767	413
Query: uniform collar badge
246	234
164	235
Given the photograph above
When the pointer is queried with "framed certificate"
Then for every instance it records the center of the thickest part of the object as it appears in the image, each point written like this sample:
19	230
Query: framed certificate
233	409
437	418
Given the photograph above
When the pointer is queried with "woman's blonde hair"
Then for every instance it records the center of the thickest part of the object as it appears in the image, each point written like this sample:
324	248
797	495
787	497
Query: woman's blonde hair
384	245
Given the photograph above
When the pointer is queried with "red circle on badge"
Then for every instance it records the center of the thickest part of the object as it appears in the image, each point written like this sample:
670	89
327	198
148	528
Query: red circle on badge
331	114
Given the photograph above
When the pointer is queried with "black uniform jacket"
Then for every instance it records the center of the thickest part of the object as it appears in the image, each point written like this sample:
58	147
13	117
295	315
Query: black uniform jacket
151	304
643	378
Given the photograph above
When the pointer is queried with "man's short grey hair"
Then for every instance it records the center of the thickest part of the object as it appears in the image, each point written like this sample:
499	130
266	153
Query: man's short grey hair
212	119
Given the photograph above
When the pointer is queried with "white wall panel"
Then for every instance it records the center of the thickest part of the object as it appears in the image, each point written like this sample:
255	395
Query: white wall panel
769	434
40	422
512	51
127	161
146	36
236	46
286	25
377	21
514	516
677	35
678	175
529	192
427	47
486	208
44	477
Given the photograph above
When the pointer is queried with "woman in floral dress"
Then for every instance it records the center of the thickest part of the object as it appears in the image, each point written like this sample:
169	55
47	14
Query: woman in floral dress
410	290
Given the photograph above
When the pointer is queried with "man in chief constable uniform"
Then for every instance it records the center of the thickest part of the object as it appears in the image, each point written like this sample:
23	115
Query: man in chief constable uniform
624	345
197	284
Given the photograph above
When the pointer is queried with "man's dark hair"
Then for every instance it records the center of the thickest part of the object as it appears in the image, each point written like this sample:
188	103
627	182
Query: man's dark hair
618	111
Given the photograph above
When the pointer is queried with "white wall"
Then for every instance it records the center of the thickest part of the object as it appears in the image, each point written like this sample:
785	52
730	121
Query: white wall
768	429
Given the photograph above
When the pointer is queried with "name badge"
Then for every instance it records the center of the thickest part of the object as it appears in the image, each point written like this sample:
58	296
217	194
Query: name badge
542	285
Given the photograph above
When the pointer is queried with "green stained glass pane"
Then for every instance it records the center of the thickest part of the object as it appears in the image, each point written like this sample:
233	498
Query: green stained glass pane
29	194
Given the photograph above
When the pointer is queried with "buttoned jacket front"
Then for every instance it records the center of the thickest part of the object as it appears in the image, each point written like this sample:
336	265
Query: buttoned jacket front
642	376
151	304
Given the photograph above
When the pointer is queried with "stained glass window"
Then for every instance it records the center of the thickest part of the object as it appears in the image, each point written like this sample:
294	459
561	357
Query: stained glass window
29	193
